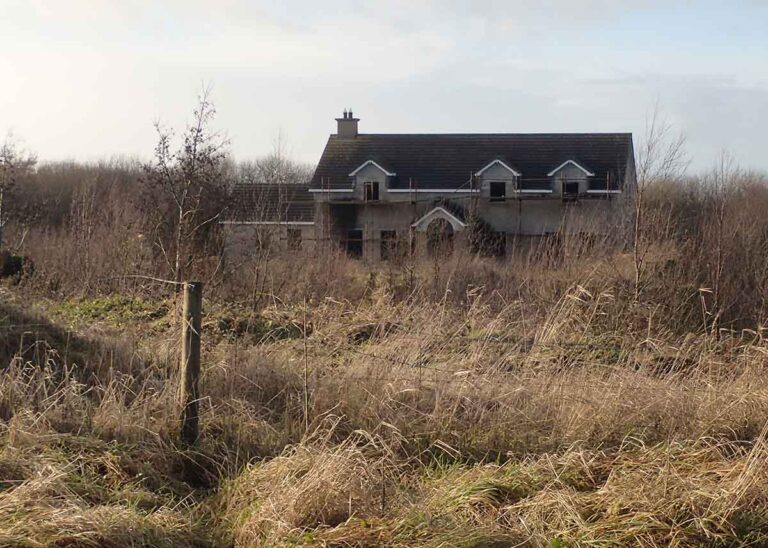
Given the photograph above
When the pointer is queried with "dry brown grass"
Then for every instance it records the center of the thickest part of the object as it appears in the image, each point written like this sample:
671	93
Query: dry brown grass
61	489
565	415
309	486
669	494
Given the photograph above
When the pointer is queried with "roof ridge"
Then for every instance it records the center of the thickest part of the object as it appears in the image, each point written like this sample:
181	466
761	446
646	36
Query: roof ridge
515	134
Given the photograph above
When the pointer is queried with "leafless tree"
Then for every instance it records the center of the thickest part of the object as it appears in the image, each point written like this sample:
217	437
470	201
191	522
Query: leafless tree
14	163
722	176
275	168
267	188
661	157
186	188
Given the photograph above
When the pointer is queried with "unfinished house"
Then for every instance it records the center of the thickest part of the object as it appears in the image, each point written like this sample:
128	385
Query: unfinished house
379	195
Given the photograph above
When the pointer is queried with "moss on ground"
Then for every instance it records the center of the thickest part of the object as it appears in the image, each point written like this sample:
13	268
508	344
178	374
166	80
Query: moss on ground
116	310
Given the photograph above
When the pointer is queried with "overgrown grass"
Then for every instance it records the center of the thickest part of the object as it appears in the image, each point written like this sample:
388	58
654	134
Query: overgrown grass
566	420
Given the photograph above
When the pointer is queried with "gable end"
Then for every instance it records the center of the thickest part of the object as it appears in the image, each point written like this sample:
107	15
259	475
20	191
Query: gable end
438	212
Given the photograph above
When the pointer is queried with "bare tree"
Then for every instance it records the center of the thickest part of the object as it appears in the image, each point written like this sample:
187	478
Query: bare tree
14	163
719	183
267	186
275	168
186	188
83	223
661	157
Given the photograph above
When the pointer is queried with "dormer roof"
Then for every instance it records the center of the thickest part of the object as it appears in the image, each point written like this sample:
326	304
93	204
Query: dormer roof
573	163
371	163
501	163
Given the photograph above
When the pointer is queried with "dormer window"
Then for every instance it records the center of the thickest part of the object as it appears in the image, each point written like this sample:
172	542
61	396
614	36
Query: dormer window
570	188
498	191
371	189
571	179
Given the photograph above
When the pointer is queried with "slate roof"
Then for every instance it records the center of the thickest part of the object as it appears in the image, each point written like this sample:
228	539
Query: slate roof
264	202
447	161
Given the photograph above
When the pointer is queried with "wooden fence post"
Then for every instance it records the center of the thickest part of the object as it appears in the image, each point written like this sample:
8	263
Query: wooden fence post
190	361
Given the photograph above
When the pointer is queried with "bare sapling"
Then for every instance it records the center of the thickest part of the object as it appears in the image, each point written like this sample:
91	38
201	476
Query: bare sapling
661	157
185	190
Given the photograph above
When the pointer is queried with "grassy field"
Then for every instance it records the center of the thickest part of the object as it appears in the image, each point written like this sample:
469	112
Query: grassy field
604	384
568	416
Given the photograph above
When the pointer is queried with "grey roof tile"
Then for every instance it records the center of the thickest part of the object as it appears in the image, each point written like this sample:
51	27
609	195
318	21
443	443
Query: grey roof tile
449	160
272	203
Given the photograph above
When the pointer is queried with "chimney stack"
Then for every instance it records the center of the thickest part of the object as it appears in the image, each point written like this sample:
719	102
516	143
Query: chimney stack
347	125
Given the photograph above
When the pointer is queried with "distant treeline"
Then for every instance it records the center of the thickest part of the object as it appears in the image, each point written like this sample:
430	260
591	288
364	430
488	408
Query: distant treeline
44	196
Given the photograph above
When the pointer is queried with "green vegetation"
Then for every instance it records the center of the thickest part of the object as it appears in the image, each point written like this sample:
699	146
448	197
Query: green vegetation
113	310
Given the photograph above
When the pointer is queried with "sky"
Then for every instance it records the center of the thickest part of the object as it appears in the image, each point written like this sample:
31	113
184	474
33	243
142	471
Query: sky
87	79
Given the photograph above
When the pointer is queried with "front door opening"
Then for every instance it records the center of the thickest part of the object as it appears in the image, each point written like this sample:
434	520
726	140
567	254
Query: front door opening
439	238
354	243
388	245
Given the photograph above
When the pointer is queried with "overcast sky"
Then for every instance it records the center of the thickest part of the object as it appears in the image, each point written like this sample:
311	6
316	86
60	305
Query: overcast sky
86	79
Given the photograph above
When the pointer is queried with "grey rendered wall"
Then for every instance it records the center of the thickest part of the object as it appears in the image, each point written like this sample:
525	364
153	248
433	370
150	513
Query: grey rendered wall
546	215
374	218
525	216
241	240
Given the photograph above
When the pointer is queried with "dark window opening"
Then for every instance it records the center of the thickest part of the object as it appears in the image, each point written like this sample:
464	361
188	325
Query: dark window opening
498	191
570	189
354	243
294	239
371	191
388	244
